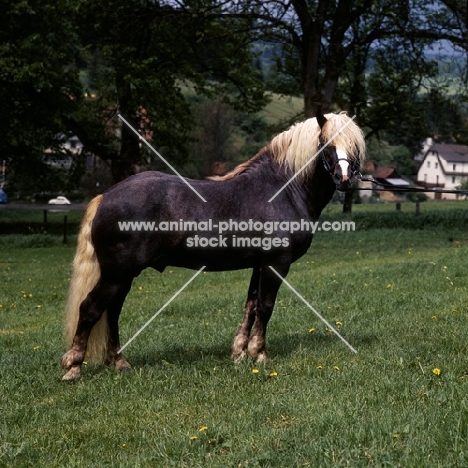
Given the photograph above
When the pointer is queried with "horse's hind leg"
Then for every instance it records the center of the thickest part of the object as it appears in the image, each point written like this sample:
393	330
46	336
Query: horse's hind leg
241	340
91	310
113	313
269	285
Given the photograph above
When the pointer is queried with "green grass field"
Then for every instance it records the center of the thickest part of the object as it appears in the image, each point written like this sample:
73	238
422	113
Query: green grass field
399	296
282	108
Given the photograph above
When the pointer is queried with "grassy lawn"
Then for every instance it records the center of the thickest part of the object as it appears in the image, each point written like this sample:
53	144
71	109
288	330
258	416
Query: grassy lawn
399	296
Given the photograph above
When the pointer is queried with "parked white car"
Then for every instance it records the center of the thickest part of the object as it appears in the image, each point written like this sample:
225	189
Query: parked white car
60	200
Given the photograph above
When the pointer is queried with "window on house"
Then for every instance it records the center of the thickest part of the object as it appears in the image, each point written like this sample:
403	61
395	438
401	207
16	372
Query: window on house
425	177
437	165
453	179
454	167
428	163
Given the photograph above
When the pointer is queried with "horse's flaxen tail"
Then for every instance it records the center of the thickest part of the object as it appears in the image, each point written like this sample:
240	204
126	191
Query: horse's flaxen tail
86	273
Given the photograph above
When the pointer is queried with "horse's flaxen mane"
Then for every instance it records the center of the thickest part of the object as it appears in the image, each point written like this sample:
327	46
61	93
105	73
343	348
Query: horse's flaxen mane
295	147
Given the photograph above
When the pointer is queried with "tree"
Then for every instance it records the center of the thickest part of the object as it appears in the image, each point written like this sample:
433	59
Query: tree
326	48
132	57
136	57
318	37
142	70
38	49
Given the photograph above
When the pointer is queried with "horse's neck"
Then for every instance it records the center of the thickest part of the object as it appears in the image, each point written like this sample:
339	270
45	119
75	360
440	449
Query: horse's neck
315	191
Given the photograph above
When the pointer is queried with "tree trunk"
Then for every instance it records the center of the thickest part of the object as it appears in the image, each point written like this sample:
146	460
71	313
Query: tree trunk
312	30
125	163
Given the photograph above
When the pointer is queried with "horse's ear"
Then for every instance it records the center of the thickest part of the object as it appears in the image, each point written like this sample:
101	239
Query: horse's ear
321	120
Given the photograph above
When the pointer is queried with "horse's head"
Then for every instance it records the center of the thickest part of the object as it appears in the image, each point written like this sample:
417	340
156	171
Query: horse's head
339	153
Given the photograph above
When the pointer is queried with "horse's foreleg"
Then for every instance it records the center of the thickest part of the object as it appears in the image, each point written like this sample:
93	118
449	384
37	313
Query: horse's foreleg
269	285
241	340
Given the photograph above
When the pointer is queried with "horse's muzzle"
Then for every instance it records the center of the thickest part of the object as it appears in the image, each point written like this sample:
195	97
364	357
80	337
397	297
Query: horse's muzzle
344	182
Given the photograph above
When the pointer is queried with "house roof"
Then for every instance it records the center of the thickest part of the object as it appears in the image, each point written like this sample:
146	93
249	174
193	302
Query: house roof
388	176
451	153
397	182
385	173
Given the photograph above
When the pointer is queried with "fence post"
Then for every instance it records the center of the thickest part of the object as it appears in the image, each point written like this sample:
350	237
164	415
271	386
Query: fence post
398	206
348	201
417	208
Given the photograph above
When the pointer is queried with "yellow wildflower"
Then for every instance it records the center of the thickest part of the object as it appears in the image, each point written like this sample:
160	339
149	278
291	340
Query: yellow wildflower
311	330
436	371
272	374
203	429
255	371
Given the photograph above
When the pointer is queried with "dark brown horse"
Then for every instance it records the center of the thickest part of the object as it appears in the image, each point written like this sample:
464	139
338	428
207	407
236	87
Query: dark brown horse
251	211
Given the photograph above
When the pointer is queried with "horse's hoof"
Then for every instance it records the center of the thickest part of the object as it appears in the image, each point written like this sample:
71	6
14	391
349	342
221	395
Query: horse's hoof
239	357
262	357
73	374
122	365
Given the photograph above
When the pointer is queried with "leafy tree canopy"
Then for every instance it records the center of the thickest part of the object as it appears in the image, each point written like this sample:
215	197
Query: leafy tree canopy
70	68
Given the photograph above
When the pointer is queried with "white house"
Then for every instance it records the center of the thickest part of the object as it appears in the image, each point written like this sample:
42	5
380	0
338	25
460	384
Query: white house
444	166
